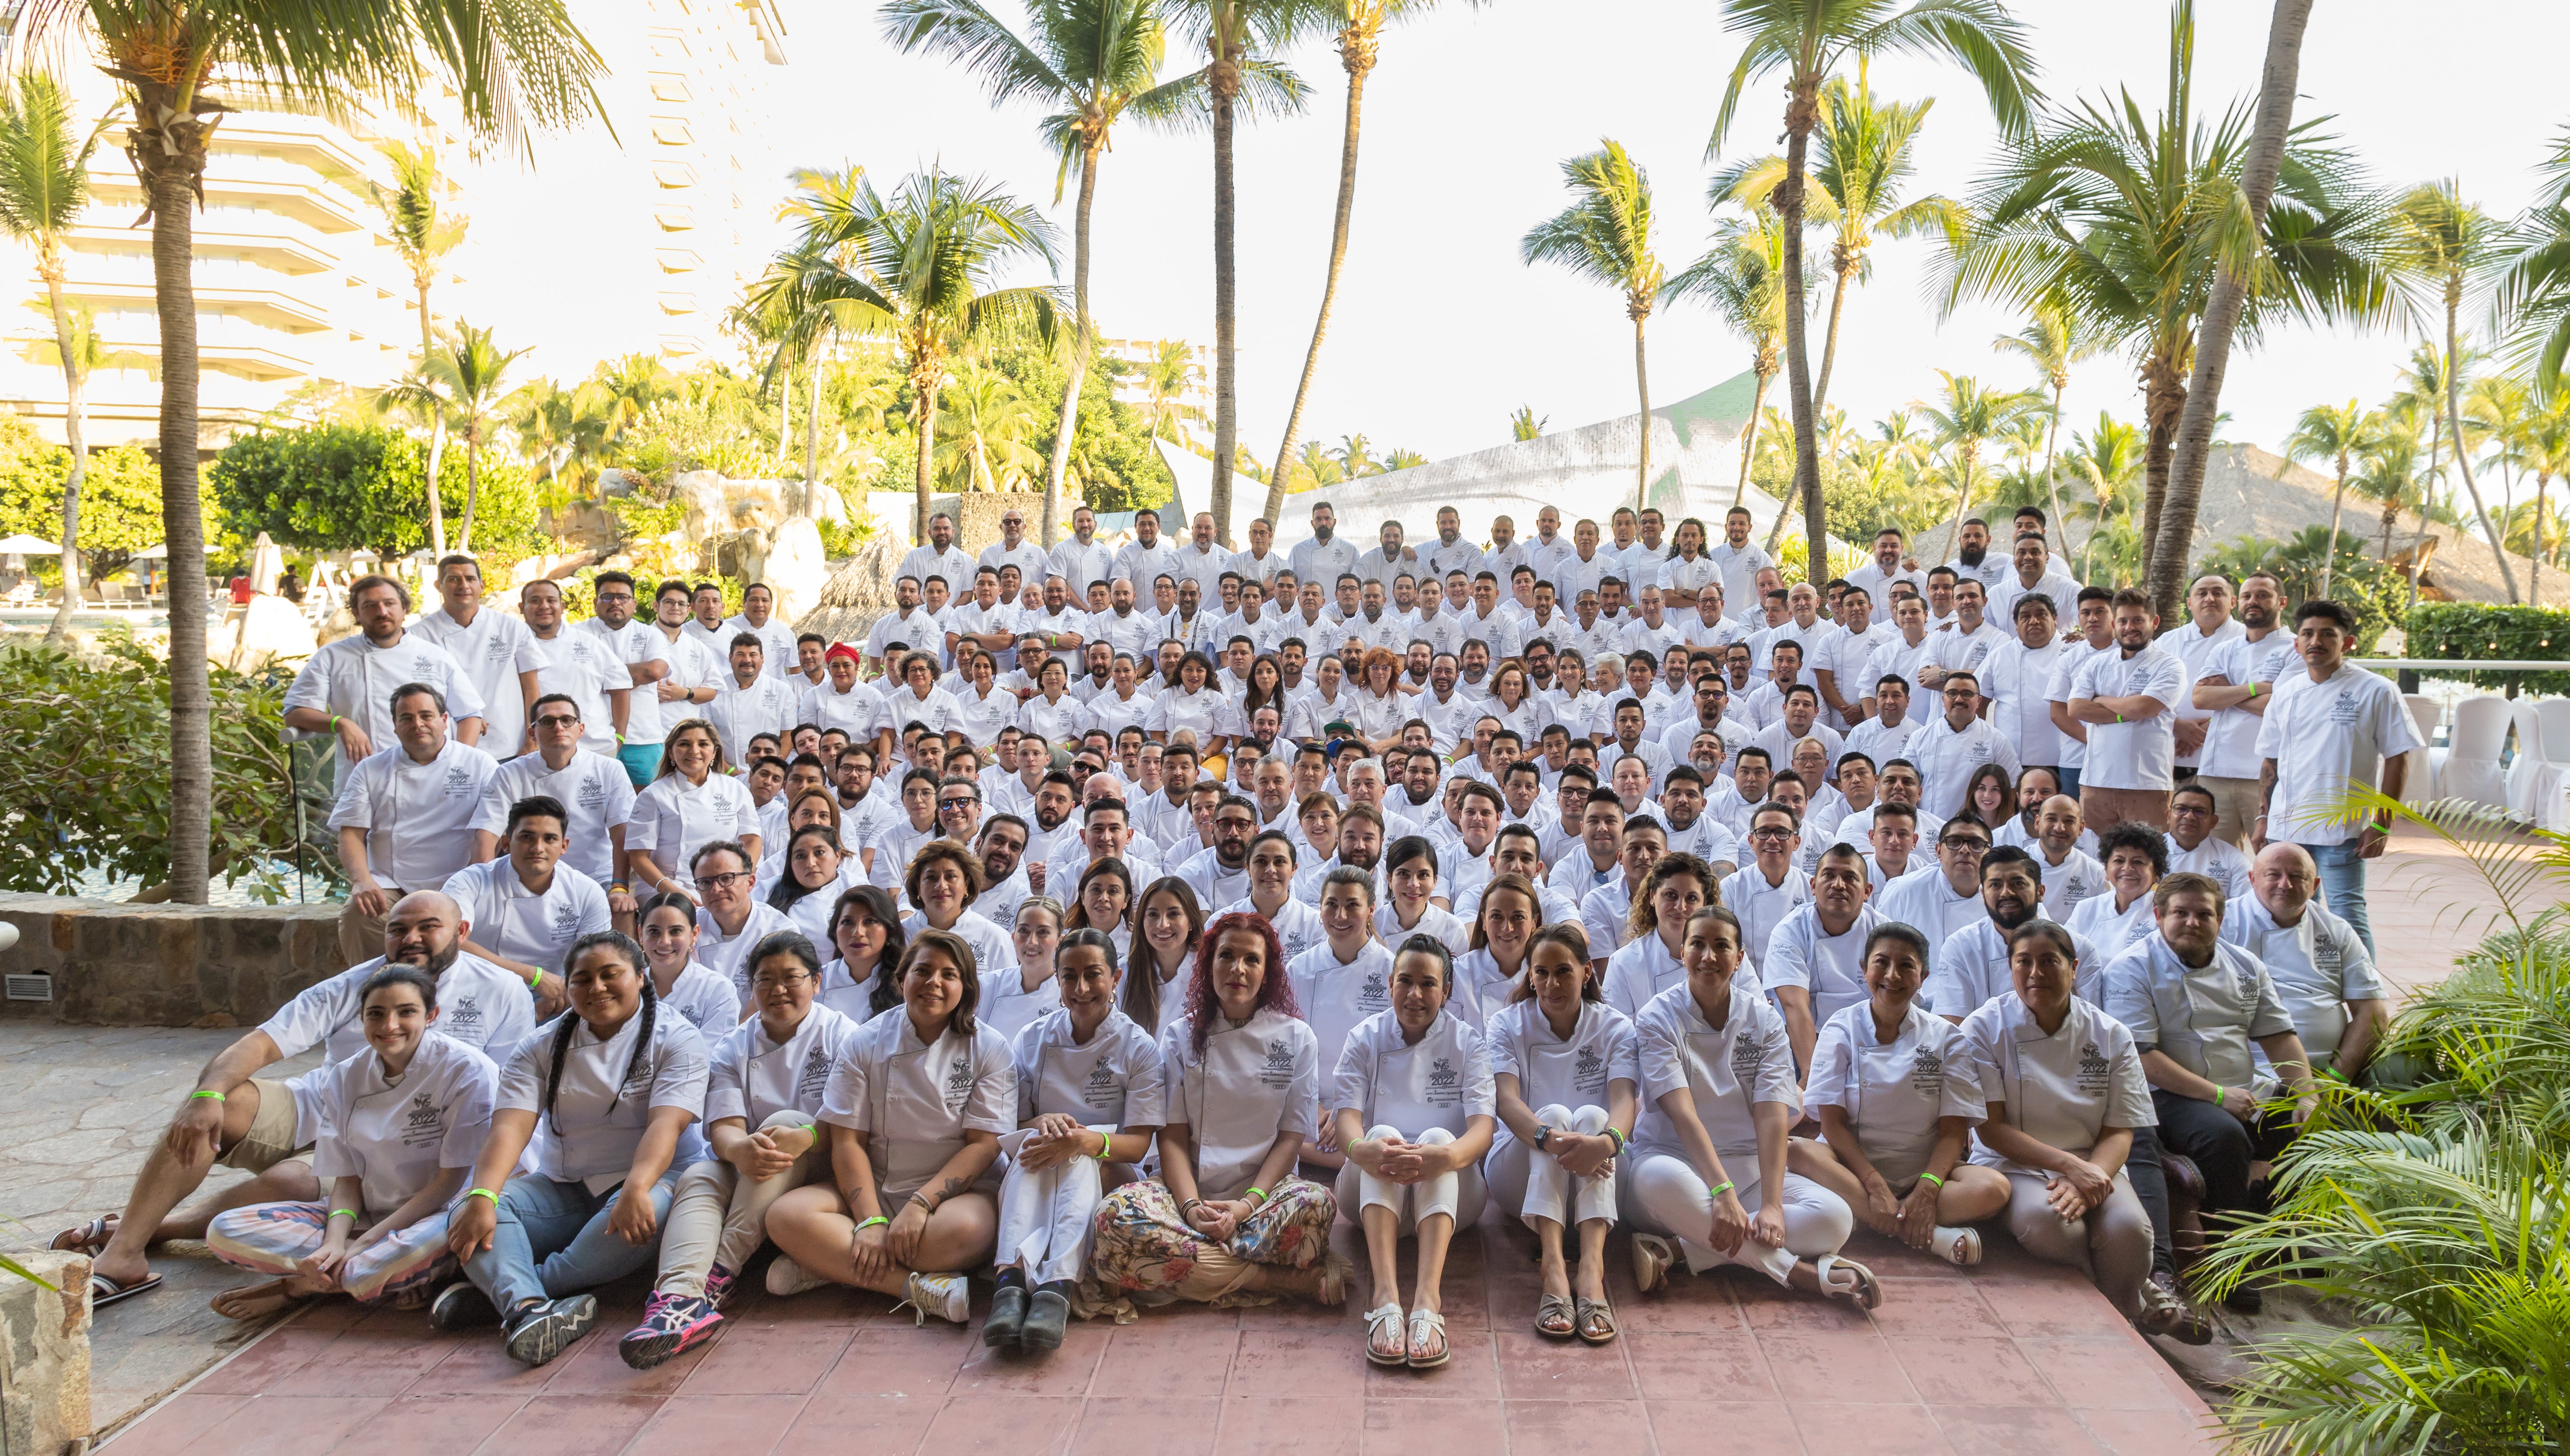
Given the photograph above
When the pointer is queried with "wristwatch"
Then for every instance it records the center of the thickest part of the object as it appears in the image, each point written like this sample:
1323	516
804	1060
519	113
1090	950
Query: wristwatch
1542	1135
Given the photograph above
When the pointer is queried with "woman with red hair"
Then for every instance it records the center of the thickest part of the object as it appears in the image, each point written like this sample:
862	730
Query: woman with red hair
1380	706
1227	1215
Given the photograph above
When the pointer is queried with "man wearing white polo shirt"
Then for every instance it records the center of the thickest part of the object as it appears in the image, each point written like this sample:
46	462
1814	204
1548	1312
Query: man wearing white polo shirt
2193	642
405	813
2332	726
491	647
2127	695
669	670
345	690
2237	684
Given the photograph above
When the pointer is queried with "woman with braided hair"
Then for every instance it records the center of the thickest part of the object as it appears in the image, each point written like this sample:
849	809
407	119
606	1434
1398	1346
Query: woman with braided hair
601	1102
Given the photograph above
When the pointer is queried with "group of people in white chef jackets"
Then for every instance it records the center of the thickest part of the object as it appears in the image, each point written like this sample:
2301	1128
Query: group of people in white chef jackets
1140	1010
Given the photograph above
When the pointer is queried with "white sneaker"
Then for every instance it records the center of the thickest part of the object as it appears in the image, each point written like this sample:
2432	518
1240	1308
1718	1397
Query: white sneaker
785	1276
947	1296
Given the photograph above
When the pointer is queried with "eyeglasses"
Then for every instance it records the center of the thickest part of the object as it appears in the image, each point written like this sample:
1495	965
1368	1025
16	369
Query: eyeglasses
1771	834
616	596
718	881
558	720
958	802
1969	846
778	983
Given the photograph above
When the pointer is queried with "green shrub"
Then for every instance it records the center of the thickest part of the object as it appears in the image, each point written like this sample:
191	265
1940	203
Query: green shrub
119	500
336	487
87	775
2464	630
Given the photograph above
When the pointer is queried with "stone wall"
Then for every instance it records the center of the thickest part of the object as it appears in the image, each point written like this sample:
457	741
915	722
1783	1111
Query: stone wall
44	1339
119	964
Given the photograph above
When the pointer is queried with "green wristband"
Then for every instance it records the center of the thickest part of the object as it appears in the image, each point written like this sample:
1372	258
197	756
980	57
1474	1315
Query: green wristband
1719	1191
341	1213
218	1096
1256	1197
1931	1180
483	1192
870	1222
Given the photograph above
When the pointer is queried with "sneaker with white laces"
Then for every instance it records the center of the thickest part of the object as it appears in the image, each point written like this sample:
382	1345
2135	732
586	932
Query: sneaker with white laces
545	1329
671	1324
721	1284
946	1295
785	1276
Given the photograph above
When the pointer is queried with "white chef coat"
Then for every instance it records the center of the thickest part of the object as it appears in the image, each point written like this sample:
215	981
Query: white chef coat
418	817
2318	965
729	956
2323	737
1077	563
397	1136
938	710
1335	995
648	720
514	921
1576	1072
1896	657
599	1114
993	949
2096	919
1442	1080
2061	590
1875	583
492	651
1762	906
585	667
2231	742
1895	1095
2062	1090
778	651
751	1077
1947	757
354	678
672	817
1113	1080
1740	567
1297	924
1144	564
2018	682
2206	1019
1831	969
741	713
2140	754
1444	924
921	629
592	788
1723	1070
2194	649
924	561
1249	1086
711	1003
1009	1006
917	1101
2066	885
1207	713
479	1004
1971	969
1644	969
1924	901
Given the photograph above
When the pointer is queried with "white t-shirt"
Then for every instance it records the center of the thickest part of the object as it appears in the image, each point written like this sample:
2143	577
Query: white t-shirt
917	1101
751	1077
396	1136
587	667
418	817
2141	754
2231	741
1725	1070
1249	1086
592	788
1442	1080
2324	736
509	920
2062	1090
1895	1095
599	1112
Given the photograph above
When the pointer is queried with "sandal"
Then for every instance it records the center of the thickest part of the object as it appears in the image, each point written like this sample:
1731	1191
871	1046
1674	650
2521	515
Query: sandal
1596	1321
1423	1324
1381	1321
1554	1317
1652	1260
256	1301
1862	1286
104	1290
89	1238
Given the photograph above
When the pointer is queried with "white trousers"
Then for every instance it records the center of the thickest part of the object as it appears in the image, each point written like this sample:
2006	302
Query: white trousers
1044	1217
1667	1196
1457	1195
1538	1187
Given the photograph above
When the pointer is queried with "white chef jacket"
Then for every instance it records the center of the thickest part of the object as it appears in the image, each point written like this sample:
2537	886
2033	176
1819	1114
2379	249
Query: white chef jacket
741	713
2096	919
2208	1018
1724	1070
993	949
592	788
1335	995
2318	965
2231	742
1762	906
418	817
493	650
1009	1006
778	651
751	1077
354	678
1079	563
1947	758
1896	657
1895	1095
2213	856
514	921
479	1004
586	666
672	817
1248	1087
711	1003
396	1137
1573	1073
1442	1080
2066	885
729	956
924	561
917	1101
2323	737
2018	682
1113	1080
1971	969
599	1113
2135	755
1925	901
2062	1090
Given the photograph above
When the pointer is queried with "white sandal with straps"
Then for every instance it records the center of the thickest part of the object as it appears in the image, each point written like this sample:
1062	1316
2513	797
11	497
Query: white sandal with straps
1382	1319
1862	1288
1423	1323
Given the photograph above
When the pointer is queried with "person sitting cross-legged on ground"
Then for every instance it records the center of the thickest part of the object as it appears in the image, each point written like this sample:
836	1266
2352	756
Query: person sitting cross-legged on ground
402	1123
1718	1094
1897	1101
762	1100
915	1109
264	1125
605	1098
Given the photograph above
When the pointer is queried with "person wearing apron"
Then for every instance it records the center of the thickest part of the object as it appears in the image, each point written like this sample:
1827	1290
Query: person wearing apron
859	982
693	800
1415	1107
1228	1213
1895	1094
1567	1076
1090	1095
763	1096
915	1108
1718	1094
1027	992
598	1103
1339	983
402	1121
2066	1091
1651	960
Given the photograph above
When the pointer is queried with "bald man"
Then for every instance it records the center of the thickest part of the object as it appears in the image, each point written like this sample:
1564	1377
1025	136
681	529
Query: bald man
265	1126
2322	970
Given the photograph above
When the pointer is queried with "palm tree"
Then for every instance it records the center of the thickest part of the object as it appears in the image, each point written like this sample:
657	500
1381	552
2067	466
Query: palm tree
2050	341
2109	458
1402	460
1361	24
1524	426
1089	60
556	425
473	374
1170	375
1356	457
1606	238
622	392
1743	277
1238	37
1968	415
2123	219
2547	453
2335	433
2389	473
1808	40
508	65
422	229
1317	464
2445	249
921	268
44	189
988	423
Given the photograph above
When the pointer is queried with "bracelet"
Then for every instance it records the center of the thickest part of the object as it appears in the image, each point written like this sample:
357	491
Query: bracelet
870	1222
1104	1141
1256	1196
1193	1203
533	977
1617	1137
921	1199
341	1213
2119	717
216	1096
483	1192
334	725
1931	1180
1719	1191
619	888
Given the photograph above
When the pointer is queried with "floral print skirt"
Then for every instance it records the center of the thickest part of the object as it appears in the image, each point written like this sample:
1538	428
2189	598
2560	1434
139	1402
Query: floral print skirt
1147	1251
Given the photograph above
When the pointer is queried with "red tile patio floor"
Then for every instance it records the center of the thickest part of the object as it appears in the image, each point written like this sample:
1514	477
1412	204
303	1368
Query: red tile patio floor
2013	1357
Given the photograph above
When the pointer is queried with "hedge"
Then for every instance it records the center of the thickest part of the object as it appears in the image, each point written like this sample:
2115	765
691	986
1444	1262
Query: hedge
2460	630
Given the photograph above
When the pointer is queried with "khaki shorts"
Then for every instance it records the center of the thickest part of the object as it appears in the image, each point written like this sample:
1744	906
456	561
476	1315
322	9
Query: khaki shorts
271	1138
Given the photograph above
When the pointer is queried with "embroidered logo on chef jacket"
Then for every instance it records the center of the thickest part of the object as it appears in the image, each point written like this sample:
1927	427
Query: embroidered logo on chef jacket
1928	1073
814	1076
1278	1069
1104	1087
424	1123
2094	1074
1746	1053
593	794
1445	1084
1376	994
465	1015
958	1086
2244	983
458	782
637	1077
2345	709
566	920
2327	956
1588	1070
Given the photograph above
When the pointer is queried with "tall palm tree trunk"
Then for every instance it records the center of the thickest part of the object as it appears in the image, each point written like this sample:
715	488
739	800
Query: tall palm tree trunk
2174	526
170	156
2051	475
73	377
1058	469
1642	386
1357	58
1226	323
2463	456
1846	270
2337	503
2164	404
925	463
1749	440
1963	496
435	430
1801	114
2534	562
812	433
472	483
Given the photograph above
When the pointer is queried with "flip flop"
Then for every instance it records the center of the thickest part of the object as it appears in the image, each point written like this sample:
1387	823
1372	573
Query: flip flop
104	1290
89	1238
1420	1355
1382	1319
230	1303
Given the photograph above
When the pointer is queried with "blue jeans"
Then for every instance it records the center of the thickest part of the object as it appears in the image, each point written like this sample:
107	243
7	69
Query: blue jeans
2343	882
565	1226
641	760
2069	780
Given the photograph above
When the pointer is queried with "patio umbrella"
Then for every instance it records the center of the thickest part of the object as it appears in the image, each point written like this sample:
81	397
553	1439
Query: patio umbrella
152	553
23	545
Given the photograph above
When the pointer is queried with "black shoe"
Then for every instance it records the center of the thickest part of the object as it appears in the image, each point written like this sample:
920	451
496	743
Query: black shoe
545	1329
462	1305
1048	1315
1008	1314
2166	1311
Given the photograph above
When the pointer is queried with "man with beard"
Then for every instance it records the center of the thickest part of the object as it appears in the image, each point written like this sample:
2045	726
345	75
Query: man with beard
265	1126
1712	715
1973	559
2208	629
1360	847
1738	558
1052	836
1164	819
1146	558
1945	897
404	814
2127	696
1002	845
2236	683
1219	875
1971	965
1876	577
1949	749
492	646
1599	856
345	690
1420	787
1081	558
1324	558
1691	830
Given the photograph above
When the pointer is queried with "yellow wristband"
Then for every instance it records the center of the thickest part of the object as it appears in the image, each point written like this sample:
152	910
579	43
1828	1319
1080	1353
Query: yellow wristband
483	1192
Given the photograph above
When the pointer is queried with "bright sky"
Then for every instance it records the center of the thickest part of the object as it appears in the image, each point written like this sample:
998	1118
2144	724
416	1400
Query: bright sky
1440	331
